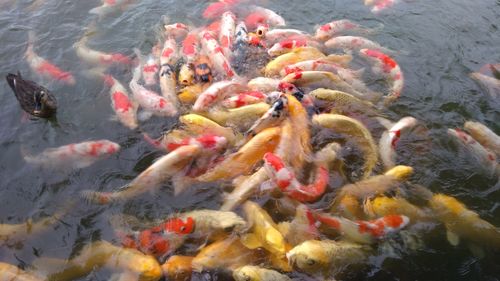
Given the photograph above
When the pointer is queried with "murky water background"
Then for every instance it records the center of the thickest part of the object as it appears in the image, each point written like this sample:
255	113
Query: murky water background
443	41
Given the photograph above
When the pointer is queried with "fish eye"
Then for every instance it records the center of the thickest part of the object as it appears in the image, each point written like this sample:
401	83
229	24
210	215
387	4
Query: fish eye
183	228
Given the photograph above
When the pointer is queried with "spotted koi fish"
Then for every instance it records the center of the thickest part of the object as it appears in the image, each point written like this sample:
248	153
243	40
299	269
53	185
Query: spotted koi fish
245	98
215	92
337	27
160	240
389	68
259	16
44	67
190	47
355	43
227	33
382	5
391	137
286	46
277	34
121	103
366	232
75	155
215	52
99	58
150	100
287	182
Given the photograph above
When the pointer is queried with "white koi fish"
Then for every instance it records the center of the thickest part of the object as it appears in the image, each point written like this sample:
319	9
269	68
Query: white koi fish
390	138
355	43
216	55
227	33
75	155
337	27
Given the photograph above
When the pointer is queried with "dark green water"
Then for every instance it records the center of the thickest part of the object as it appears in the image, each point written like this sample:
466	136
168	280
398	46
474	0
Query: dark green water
442	42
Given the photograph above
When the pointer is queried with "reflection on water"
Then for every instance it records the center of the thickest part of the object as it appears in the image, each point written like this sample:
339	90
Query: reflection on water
440	43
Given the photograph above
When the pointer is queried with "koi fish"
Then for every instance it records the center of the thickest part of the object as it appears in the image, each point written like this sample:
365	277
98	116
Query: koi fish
150	100
277	34
124	108
216	55
176	30
241	117
100	254
245	158
264	232
462	222
228	253
338	102
75	155
190	47
12	272
178	268
364	232
227	33
215	92
349	207
213	222
189	94
286	46
197	124
186	75
484	135
488	84
377	184
259	15
206	141
355	43
382	206
272	117
263	84
355	131
44	67
274	67
149	179
381	5
244	98
325	256
287	182
485	157
255	273
150	67
98	58
160	240
216	9
332	63
301	228
244	189
389	68
391	137
337	27
167	73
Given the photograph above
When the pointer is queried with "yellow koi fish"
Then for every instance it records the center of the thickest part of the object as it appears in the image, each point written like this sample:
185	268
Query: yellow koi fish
274	67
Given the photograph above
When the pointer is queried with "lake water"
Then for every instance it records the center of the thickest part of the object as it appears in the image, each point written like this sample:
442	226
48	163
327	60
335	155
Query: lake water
441	42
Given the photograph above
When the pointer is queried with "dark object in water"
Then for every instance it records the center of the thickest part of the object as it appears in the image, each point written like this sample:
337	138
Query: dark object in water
33	98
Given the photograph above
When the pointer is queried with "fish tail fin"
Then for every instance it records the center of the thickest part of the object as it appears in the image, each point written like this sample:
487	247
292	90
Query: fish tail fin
96	197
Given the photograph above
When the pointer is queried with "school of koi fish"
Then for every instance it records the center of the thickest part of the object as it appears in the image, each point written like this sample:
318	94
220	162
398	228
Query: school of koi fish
252	96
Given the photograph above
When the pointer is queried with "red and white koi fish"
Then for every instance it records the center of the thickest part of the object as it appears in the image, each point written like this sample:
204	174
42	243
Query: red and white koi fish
75	155
355	43
177	30
150	67
287	182
245	98
337	27
366	232
160	240
215	52
207	141
150	179
215	92
275	35
484	135
381	5
44	67
485	157
389	68
391	137
215	10
97	57
190	47
109	6
322	64
150	100
227	33
286	46
121	103
168	80
259	16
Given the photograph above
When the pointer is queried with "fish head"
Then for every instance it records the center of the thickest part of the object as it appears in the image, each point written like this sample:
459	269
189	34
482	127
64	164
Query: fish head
147	267
291	89
309	256
275	114
186	75
246	273
178	268
203	70
179	226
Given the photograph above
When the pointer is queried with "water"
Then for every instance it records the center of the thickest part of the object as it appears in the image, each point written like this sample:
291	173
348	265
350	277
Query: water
441	43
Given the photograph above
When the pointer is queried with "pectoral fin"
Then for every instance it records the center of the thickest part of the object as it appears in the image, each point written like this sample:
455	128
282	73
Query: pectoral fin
251	241
452	237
